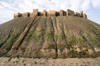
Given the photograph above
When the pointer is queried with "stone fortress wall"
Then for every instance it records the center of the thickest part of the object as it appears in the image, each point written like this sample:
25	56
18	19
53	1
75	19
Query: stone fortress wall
51	13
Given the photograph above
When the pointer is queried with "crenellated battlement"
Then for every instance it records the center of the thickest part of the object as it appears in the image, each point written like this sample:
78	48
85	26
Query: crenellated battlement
51	13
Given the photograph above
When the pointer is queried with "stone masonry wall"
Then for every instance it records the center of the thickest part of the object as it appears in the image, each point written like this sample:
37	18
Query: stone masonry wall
51	13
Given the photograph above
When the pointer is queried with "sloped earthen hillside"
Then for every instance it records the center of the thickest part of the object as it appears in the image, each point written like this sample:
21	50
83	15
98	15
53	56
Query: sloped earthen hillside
51	37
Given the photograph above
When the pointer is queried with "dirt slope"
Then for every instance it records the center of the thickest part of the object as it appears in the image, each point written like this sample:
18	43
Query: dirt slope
66	36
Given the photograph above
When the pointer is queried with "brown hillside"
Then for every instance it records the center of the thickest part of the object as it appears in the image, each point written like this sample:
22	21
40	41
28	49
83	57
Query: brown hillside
63	36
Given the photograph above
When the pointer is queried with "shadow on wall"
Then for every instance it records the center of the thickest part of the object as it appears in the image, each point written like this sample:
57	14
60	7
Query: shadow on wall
51	13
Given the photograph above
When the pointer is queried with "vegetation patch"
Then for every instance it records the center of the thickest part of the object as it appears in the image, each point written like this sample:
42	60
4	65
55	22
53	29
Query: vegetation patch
88	34
12	39
29	35
66	28
51	46
82	54
22	28
35	62
72	41
42	30
76	21
62	37
56	36
83	37
92	26
50	35
0	37
98	39
61	46
93	41
18	56
37	38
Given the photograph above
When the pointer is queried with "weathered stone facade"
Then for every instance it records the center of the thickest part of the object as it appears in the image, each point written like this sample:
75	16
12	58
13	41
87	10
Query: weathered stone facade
51	13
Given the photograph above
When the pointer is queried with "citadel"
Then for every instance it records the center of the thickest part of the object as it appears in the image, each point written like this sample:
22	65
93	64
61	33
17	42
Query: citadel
51	13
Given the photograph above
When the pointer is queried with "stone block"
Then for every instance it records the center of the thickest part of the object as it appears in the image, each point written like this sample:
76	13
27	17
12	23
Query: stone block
16	15
64	13
35	12
61	12
76	14
47	13
52	13
84	16
44	13
31	14
26	14
69	12
80	13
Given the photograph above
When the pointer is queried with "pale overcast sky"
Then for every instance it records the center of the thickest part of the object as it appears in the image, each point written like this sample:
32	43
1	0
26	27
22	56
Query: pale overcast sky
9	7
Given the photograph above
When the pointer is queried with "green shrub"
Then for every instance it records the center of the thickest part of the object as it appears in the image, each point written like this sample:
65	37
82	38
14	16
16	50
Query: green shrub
42	30
12	39
18	56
